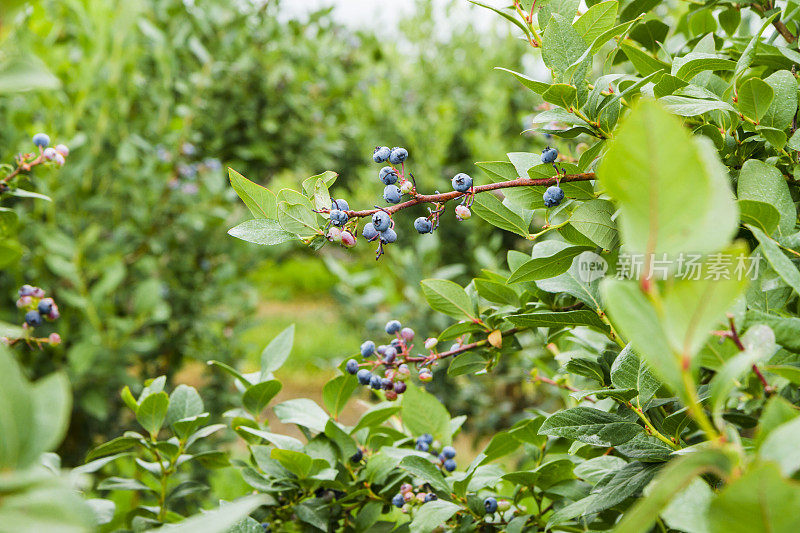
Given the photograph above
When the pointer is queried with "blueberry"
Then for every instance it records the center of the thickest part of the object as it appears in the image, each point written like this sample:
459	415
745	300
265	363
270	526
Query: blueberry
364	376
423	225
341	205
369	232
50	153
381	221
392	194
387	384
427	437
490	504
463	212
407	334
448	452
430	497
449	465
462	182
265	527
45	306
367	348
398	155
41	140
26	290
338	218
422	446
388	236
62	149
396	344
375	382
553	196
399	387
393	326
381	154
352	366
381	349
356	457
388	176
33	318
389	355
398	500
425	375
549	155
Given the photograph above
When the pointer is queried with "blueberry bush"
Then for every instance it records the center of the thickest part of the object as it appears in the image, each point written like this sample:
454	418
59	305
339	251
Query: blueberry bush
650	285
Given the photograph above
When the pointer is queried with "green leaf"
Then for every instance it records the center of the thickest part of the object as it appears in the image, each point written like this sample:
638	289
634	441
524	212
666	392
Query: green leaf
113	447
755	97
591	426
277	352
675	477
337	391
261	202
546	267
628	371
424	469
644	63
593	219
492	210
298	463
598	19
422	413
375	417
760	500
303	412
693	107
763	182
780	446
496	292
781	264
184	402
561	94
650	164
52	400
25	72
693	63
784	105
539	87
466	363
219	520
561	44
750	51
431	515
283	442
506	16
760	214
561	319
261	231
565	8
298	219
447	297
152	411
258	396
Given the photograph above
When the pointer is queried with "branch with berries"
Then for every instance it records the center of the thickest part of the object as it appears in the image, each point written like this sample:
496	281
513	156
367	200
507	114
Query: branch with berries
26	162
343	226
38	308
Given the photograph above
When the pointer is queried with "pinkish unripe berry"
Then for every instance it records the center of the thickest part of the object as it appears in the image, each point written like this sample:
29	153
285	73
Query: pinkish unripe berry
24	301
38	292
463	212
348	240
59	159
408	496
391	395
55	339
49	153
425	376
405	487
421	497
407	334
402	373
334	234
62	149
503	505
431	342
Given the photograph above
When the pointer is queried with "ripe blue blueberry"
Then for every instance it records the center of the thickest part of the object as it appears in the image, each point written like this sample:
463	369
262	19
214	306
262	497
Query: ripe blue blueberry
381	349
341	205
392	194
375	382
367	348
549	155
364	376
338	218
462	182
449	465
393	326
398	155
356	457
45	306
422	446
33	318
389	354
423	225
430	497
388	176
381	154
449	452
490	505
387	384
352	366
398	500
369	232
400	387
427	437
41	140
388	236
26	290
381	221
553	196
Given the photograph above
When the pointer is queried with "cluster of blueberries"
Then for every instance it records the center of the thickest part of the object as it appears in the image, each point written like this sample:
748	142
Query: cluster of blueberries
338	217
57	154
37	308
391	356
447	456
395	184
407	497
554	194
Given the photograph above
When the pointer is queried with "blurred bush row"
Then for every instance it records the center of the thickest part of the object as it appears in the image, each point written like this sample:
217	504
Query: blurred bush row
156	98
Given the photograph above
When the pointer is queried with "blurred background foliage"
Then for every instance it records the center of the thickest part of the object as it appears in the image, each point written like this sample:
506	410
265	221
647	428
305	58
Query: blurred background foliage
156	98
